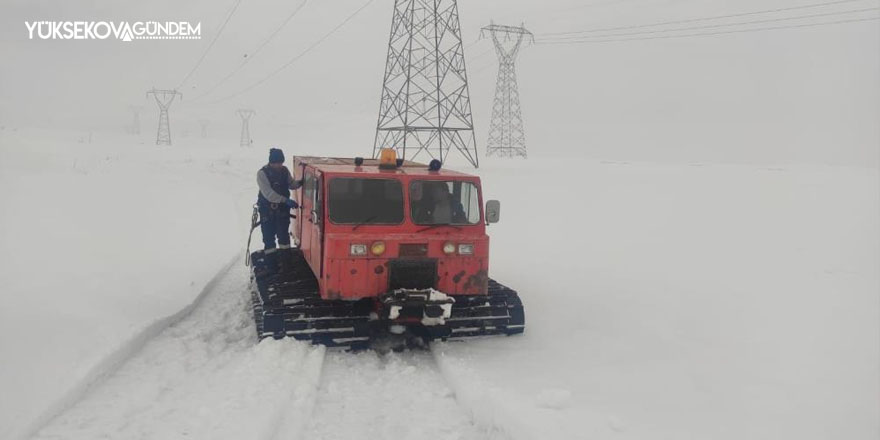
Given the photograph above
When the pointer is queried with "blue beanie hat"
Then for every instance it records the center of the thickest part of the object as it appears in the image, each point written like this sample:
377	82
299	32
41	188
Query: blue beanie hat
276	155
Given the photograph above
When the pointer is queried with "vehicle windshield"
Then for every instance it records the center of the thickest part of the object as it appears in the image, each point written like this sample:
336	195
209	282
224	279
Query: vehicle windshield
365	201
438	202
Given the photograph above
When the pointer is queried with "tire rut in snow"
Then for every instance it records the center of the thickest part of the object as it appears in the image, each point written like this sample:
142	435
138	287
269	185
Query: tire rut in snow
397	396
202	377
490	406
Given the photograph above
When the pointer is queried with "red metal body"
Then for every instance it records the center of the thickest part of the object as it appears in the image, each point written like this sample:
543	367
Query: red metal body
327	246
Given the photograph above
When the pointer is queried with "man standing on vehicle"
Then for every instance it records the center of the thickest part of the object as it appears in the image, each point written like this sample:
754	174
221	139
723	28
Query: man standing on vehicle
274	201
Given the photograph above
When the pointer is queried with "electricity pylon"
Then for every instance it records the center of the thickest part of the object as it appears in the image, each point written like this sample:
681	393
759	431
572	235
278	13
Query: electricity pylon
246	116
506	135
426	103
136	121
204	124
164	98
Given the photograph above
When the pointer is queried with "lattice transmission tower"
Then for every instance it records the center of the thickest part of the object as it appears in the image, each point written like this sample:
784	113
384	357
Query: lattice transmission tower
426	103
164	98
136	118
246	116
506	135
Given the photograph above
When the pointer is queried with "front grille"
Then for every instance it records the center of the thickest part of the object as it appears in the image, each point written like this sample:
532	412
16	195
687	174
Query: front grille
412	274
413	250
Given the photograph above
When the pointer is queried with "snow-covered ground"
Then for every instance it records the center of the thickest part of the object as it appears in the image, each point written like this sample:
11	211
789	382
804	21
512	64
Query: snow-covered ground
695	235
100	242
686	301
662	300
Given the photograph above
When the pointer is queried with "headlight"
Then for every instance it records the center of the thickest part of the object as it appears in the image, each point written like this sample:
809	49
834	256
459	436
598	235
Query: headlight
466	249
378	248
358	250
449	248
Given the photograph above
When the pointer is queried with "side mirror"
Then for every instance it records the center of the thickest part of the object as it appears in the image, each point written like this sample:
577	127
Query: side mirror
314	217
493	211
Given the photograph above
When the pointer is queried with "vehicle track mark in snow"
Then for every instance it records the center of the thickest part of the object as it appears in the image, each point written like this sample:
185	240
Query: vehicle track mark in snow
295	415
397	396
202	377
116	359
489	406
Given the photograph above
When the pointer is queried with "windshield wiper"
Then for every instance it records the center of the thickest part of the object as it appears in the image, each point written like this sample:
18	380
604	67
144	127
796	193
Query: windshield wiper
365	221
457	228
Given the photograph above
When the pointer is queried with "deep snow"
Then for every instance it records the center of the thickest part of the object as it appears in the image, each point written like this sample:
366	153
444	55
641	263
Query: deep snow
203	377
662	301
100	241
690	301
394	396
696	234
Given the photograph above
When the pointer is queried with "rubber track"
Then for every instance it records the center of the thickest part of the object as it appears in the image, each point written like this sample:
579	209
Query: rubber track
286	303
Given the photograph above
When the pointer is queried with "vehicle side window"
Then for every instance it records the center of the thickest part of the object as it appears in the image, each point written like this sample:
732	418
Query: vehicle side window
469	197
317	196
309	186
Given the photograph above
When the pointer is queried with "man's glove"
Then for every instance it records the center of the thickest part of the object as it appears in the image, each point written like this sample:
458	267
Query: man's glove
292	204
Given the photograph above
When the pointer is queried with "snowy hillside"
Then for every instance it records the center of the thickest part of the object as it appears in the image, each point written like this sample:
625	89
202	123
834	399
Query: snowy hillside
663	301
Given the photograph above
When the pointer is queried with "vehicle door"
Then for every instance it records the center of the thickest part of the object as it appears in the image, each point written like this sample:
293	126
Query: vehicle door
316	221
307	204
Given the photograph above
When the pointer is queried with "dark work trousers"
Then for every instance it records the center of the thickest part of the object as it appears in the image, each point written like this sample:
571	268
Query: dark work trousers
275	223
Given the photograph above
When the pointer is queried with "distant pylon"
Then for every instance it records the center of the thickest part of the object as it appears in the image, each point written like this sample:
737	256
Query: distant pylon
136	121
425	98
204	124
164	98
246	116
506	134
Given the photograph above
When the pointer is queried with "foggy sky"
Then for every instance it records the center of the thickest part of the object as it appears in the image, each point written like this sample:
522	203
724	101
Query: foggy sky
792	96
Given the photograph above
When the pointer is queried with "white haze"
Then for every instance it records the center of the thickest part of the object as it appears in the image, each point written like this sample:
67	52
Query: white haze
695	235
795	96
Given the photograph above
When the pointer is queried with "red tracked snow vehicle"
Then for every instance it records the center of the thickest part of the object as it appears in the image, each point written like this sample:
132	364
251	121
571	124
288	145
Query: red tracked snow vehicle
384	247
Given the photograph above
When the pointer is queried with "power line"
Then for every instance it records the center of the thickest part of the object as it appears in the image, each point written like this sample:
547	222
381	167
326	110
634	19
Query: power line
590	5
482	69
473	43
208	49
480	57
738	31
300	55
714	26
484	53
254	53
693	20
